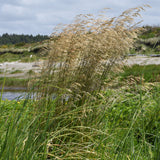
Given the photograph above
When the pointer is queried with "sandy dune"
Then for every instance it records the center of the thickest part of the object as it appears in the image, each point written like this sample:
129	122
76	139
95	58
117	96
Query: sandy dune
142	60
9	67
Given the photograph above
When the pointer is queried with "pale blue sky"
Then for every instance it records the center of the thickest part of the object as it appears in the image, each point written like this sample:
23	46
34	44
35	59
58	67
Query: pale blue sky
41	16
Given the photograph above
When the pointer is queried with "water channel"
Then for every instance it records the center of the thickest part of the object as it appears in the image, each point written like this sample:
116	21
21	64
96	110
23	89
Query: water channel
10	95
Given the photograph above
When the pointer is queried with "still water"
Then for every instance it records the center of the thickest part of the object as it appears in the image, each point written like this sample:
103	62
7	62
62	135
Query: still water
17	95
13	95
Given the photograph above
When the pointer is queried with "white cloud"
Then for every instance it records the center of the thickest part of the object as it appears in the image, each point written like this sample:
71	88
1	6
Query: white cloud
40	16
15	13
12	9
32	2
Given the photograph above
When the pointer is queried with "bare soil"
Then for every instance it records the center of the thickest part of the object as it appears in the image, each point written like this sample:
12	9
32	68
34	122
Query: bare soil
7	67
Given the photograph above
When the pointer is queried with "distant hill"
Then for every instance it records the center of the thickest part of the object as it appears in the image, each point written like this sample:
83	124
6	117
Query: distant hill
148	42
15	39
150	32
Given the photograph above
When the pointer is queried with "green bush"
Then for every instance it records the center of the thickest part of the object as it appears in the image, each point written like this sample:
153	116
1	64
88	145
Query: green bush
21	44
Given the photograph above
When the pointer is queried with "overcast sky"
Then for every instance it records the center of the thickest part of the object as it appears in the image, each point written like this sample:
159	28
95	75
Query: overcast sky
41	16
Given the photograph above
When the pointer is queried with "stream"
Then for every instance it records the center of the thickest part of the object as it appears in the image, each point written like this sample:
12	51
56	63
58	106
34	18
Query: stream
10	95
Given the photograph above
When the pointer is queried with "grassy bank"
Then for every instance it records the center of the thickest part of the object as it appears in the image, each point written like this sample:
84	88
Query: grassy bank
23	52
119	124
149	73
24	57
148	42
13	82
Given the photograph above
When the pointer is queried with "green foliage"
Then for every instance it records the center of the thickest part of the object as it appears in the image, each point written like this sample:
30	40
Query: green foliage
14	82
147	35
4	46
134	118
116	124
150	32
1	71
9	57
31	72
20	39
20	44
150	73
25	57
16	71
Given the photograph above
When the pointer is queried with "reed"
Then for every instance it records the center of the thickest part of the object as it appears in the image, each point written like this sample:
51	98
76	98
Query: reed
85	52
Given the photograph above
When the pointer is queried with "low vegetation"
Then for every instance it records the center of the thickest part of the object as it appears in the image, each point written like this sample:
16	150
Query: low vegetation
148	73
71	114
28	52
115	124
25	57
16	71
150	32
13	82
148	42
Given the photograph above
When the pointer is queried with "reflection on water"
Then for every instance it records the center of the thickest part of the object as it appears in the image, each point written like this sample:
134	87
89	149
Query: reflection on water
13	95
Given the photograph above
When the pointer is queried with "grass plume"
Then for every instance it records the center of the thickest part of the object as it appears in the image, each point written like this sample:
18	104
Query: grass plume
86	51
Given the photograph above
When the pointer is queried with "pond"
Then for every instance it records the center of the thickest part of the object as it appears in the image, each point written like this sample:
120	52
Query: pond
17	95
10	95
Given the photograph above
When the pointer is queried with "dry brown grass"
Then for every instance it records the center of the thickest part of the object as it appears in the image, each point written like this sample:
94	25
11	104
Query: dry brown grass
85	51
80	58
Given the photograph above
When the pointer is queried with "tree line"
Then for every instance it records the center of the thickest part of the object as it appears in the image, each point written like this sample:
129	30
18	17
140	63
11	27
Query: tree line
15	39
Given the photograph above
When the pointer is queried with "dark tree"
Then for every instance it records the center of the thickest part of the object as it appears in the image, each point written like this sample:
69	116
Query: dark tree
14	38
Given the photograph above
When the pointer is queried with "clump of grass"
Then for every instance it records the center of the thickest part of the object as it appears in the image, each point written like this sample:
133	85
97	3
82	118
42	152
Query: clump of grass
31	72
80	59
14	82
1	71
117	124
86	51
9	57
16	71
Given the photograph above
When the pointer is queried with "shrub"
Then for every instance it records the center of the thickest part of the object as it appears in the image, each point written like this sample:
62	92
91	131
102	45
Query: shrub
21	44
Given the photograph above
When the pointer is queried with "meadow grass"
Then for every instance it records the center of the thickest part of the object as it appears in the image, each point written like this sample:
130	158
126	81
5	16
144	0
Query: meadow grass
22	57
16	71
14	82
117	124
149	73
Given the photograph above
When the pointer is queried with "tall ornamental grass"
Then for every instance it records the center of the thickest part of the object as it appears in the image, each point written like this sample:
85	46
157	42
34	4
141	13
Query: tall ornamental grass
85	51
